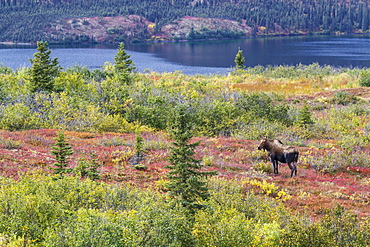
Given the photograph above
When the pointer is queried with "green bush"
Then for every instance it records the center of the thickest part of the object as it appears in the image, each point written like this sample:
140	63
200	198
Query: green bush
223	228
343	228
39	210
331	162
304	117
217	118
264	106
344	98
17	117
364	79
302	232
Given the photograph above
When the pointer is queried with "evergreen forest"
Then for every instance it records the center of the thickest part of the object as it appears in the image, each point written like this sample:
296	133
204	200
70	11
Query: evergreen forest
27	20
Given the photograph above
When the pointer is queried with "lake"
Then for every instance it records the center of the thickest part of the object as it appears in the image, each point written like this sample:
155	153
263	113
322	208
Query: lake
209	57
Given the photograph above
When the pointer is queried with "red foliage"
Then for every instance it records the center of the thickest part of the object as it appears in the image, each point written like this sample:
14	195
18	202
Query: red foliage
360	170
312	192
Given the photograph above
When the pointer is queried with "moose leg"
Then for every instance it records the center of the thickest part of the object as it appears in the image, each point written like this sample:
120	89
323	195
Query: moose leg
295	163
277	167
293	168
274	165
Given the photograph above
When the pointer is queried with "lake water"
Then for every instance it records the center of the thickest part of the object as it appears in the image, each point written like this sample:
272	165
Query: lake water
209	57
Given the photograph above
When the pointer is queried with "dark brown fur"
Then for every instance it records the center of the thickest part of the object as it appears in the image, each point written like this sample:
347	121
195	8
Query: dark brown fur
278	152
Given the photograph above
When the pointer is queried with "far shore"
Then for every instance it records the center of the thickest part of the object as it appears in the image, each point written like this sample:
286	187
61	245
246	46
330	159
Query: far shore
10	43
15	43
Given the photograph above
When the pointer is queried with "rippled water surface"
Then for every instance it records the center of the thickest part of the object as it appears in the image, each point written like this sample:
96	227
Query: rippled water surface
209	57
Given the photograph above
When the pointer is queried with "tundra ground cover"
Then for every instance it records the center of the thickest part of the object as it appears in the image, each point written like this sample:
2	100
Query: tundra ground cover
314	191
101	116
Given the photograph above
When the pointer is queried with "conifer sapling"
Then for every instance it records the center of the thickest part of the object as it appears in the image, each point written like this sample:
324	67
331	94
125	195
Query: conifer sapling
239	60
61	151
187	181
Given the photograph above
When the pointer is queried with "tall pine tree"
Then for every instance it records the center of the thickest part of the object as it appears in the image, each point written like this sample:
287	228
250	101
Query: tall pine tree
187	181
44	69
123	65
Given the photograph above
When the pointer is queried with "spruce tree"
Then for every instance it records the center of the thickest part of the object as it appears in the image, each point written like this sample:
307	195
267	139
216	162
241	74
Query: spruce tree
44	69
123	65
239	60
88	169
139	153
304	118
61	151
186	178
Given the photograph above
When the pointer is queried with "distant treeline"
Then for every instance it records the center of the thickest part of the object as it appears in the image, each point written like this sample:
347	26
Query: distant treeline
25	20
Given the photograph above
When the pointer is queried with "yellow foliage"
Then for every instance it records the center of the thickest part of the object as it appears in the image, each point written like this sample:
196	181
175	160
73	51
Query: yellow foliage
122	157
151	25
11	242
263	167
267	234
162	184
269	189
208	160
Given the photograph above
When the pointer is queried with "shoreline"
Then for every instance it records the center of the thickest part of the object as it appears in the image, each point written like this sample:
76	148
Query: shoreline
10	43
15	43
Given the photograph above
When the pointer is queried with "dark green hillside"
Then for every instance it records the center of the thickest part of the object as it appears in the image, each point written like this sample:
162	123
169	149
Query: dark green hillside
27	20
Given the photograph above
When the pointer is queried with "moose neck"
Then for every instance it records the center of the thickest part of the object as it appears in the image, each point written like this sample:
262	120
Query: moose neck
268	145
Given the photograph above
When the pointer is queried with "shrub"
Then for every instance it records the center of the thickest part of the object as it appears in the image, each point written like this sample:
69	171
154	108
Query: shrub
35	206
264	106
9	143
112	141
17	117
330	162
258	155
39	210
344	98
344	229
5	70
259	127
157	144
305	233
217	118
263	167
223	228
122	157
269	189
364	80
304	117
88	227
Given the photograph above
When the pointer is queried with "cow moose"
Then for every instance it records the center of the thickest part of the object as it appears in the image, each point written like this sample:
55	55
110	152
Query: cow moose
278	152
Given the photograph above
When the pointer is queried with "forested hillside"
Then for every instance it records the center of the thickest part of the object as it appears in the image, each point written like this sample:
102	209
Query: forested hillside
31	20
